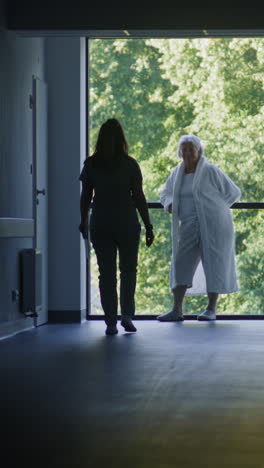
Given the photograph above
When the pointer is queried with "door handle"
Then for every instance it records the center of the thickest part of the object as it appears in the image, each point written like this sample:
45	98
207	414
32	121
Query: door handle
42	192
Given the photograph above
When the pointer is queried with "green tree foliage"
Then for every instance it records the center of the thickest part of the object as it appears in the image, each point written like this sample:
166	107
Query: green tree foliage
162	88
127	84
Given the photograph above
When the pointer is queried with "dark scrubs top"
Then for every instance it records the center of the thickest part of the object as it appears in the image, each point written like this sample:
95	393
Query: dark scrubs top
113	192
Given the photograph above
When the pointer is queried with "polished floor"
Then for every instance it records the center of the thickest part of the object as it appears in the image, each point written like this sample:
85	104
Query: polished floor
172	395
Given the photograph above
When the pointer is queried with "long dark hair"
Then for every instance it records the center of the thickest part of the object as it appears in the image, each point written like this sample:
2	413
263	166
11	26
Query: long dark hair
111	145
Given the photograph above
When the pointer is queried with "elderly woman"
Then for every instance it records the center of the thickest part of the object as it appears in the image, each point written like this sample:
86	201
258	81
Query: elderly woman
199	196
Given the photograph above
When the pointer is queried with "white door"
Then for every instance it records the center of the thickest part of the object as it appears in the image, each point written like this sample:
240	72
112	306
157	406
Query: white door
40	187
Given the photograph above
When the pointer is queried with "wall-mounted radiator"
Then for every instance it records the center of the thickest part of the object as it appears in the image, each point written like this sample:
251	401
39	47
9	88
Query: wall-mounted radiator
31	281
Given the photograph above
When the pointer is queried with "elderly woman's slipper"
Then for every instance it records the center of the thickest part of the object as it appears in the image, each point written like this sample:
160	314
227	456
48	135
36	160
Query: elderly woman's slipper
206	315
171	317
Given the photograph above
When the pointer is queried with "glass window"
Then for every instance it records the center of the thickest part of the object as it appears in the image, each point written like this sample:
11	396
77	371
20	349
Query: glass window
160	89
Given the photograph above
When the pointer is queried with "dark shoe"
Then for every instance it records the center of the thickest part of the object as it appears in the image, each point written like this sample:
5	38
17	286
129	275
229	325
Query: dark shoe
111	330
128	325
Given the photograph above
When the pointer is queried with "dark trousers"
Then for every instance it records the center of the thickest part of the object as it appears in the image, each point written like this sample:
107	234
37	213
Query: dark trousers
107	243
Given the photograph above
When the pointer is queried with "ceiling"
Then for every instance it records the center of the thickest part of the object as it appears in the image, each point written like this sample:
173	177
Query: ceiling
105	19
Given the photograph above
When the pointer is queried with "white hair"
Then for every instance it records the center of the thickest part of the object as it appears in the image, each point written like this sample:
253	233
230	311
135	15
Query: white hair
194	140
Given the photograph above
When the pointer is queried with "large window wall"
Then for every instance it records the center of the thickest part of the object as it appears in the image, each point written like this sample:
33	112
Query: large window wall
160	89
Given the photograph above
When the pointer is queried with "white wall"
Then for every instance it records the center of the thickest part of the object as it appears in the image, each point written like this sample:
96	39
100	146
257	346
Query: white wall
62	65
65	74
20	59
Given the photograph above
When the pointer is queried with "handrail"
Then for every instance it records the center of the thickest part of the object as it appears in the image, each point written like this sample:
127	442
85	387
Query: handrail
16	227
238	205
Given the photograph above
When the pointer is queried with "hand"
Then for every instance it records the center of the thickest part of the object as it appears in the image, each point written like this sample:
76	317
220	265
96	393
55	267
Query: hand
83	228
149	236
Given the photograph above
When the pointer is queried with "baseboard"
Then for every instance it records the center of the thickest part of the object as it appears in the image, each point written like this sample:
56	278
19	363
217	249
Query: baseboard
12	327
66	316
187	317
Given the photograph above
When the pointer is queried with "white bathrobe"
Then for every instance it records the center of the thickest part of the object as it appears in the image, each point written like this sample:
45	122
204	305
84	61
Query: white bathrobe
214	193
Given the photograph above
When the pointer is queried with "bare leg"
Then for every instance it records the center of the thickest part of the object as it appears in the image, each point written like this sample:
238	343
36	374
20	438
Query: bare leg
178	296
176	313
212	300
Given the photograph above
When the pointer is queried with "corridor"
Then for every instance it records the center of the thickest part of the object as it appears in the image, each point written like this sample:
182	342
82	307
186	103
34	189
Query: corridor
171	395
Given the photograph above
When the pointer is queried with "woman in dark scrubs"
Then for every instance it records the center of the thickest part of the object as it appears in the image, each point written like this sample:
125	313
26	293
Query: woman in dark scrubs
112	181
